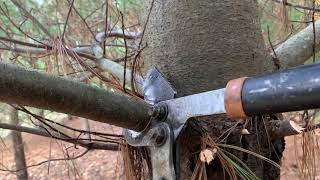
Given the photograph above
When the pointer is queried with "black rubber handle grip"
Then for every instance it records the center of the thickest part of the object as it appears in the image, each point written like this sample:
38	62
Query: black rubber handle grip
290	90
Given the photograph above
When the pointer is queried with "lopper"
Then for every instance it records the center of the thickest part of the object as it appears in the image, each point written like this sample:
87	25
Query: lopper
289	90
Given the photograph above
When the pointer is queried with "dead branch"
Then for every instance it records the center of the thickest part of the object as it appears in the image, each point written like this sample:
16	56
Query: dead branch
297	6
24	50
86	144
83	20
31	17
49	160
119	34
18	27
42	119
67	19
22	43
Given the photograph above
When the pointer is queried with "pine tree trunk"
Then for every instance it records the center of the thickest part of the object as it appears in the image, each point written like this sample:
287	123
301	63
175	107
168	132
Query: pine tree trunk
18	148
199	46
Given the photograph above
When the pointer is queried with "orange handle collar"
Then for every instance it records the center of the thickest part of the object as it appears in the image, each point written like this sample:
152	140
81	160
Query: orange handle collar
233	100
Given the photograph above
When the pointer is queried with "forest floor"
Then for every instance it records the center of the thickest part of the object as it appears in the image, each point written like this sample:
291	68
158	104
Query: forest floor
105	164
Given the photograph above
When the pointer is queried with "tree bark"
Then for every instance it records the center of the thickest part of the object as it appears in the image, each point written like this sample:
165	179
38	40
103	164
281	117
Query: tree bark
18	148
199	46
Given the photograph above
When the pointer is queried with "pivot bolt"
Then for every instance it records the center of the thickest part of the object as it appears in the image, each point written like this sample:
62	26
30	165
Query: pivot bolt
159	112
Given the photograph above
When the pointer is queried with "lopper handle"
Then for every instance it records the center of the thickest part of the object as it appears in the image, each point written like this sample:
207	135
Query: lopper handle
289	90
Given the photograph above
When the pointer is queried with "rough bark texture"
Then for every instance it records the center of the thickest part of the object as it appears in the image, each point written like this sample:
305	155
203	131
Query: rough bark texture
199	46
35	89
18	148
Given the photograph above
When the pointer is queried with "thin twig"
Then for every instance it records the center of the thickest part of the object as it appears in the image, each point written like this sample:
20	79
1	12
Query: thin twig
314	30
84	21
126	54
49	160
134	64
21	108
65	24
19	29
298	6
275	59
106	26
33	19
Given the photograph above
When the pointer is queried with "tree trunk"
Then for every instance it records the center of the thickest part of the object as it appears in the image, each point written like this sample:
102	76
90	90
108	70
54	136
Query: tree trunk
18	148
199	46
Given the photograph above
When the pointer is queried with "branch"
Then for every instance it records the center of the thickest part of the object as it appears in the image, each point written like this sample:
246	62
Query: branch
87	49
33	19
117	70
86	144
66	23
118	33
35	89
21	49
297	6
104	64
84	21
299	48
22	43
283	128
84	49
47	161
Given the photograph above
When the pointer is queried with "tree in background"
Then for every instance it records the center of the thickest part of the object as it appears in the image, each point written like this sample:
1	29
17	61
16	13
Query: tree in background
18	147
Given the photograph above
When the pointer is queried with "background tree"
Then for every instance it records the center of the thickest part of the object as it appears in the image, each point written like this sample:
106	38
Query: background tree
18	148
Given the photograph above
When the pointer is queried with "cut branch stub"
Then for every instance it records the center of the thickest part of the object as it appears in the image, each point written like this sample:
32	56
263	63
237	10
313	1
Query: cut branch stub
284	128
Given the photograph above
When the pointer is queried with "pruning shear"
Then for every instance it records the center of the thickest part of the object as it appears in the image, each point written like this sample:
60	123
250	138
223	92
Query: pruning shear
289	90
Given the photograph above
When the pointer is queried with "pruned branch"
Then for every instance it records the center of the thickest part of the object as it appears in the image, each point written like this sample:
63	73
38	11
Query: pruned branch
283	128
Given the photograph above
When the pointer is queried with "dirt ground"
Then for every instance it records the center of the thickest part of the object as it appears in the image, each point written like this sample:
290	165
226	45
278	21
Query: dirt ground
105	164
98	164
291	162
